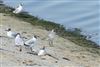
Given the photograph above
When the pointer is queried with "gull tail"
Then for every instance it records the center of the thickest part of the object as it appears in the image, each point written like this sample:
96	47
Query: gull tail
26	45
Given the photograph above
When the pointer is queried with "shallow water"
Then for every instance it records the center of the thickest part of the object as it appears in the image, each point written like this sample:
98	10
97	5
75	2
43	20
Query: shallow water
70	13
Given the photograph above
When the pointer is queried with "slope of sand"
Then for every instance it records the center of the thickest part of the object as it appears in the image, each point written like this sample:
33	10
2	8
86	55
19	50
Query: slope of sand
10	56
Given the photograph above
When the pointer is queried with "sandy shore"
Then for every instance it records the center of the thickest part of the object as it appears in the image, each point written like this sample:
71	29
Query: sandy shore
10	57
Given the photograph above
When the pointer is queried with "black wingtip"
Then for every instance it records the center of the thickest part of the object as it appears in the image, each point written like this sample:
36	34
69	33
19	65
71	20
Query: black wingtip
26	45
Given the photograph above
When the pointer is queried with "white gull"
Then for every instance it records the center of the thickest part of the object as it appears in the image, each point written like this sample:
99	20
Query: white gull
18	9
11	34
31	43
19	41
51	37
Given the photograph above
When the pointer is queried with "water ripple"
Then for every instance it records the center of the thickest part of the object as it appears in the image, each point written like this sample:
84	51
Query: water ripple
70	13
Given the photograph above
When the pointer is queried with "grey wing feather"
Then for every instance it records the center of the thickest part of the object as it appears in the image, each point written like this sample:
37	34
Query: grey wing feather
29	42
14	34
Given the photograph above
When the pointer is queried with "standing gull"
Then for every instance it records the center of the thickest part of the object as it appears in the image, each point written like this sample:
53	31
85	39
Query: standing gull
19	41
51	37
18	9
11	34
30	43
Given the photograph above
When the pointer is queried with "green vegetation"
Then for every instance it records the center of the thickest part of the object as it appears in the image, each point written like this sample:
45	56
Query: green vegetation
74	36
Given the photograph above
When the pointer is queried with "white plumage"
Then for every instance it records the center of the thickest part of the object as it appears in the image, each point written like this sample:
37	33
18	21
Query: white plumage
42	52
18	9
30	43
51	34
11	34
19	40
51	37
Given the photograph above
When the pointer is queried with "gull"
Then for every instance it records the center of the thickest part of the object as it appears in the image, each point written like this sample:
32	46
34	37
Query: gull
42	51
11	34
19	41
51	37
30	43
18	9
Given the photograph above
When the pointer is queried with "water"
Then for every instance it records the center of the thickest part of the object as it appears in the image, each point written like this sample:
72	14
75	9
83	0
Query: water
71	13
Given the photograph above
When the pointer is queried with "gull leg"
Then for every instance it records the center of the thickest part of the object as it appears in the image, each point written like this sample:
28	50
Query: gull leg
50	42
31	49
20	48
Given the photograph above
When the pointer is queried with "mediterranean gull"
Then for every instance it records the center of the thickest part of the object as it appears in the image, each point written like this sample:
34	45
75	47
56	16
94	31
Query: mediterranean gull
18	9
30	43
19	41
51	37
11	34
42	51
